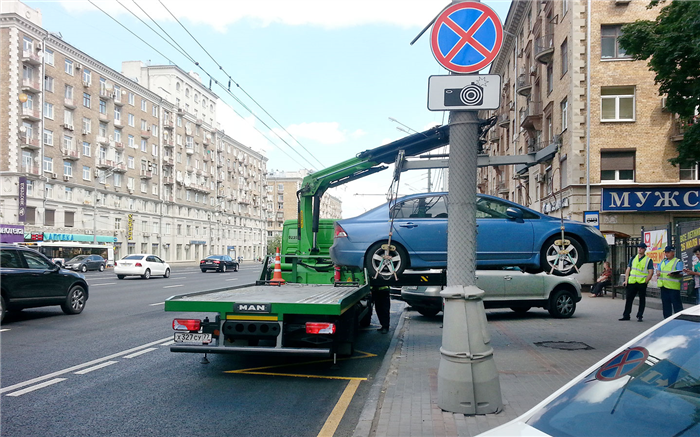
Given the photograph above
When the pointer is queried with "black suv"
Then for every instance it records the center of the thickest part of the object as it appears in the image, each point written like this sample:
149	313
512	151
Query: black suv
28	279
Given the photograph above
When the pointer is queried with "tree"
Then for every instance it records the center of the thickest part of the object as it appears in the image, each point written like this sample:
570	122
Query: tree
671	43
273	244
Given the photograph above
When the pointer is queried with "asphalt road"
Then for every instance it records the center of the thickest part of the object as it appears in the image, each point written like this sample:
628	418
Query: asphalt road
109	371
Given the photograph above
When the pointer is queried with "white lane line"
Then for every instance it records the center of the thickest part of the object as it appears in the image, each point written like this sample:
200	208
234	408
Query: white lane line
106	283
173	286
136	354
232	279
99	366
168	343
3	330
178	276
37	387
81	366
156	304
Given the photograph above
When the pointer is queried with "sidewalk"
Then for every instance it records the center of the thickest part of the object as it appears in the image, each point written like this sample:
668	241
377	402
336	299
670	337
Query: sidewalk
403	399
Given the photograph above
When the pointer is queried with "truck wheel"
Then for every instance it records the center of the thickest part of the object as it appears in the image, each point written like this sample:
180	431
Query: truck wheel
75	301
120	276
147	274
367	318
428	312
345	349
567	264
102	267
374	261
562	304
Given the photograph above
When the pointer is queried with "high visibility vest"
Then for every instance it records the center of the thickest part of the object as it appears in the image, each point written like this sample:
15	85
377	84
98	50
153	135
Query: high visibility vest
638	272
665	280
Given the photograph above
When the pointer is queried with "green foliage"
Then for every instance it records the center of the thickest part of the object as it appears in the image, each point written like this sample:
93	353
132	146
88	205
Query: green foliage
273	244
671	44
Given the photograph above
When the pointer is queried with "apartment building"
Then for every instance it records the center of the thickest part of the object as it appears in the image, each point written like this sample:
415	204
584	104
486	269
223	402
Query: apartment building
594	115
282	200
89	153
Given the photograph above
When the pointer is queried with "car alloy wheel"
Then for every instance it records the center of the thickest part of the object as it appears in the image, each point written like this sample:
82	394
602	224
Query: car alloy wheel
562	304
147	274
223	268
385	262
561	259
83	268
167	273
75	301
102	267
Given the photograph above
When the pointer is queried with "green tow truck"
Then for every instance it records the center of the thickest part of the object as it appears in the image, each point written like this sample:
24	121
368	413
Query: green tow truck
320	308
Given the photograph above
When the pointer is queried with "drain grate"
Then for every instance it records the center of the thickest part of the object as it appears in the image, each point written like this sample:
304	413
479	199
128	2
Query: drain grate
564	345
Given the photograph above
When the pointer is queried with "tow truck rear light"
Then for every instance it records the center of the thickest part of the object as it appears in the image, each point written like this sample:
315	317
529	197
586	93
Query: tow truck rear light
320	328
187	324
340	232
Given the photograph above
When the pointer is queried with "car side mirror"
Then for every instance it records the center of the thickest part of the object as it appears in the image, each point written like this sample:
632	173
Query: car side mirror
53	269
515	214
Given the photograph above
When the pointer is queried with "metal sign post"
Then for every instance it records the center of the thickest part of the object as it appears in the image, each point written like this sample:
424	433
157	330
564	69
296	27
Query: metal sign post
465	38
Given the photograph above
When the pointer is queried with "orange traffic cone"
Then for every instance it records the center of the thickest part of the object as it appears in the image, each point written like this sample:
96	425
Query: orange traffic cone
277	277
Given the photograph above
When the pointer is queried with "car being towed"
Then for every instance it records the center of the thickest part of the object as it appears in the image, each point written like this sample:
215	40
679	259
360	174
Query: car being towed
508	235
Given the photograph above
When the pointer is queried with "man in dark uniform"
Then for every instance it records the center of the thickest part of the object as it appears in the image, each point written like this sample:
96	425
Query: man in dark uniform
382	304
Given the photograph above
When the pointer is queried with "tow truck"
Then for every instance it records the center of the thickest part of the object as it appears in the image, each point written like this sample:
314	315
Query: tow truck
319	308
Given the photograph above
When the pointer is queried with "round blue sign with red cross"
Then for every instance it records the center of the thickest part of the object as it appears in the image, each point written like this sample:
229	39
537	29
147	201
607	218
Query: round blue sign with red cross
466	37
622	364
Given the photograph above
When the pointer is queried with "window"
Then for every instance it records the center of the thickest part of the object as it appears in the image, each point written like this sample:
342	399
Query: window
48	137
103	106
617	166
689	172
68	92
86	148
154	111
48	110
48	84
144	145
48	188
67	168
144	108
564	57
154	149
67	142
144	186
130	162
131	120
617	103
144	124
118	135
550	78
69	193
87	76
86	100
48	57
131	98
86	173
564	114
69	67
609	45
35	261
130	183
102	130
87	125
48	164
68	116
69	216
117	178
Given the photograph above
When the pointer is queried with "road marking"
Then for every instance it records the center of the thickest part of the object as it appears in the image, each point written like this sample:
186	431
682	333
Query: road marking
156	304
236	279
338	412
253	370
173	286
136	354
168	343
97	367
37	387
80	366
3	330
106	283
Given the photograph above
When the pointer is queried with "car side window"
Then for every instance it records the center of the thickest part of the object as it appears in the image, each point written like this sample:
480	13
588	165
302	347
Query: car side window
10	259
158	260
151	259
423	207
35	261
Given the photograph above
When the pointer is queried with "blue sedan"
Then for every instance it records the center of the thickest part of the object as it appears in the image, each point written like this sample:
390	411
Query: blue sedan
508	235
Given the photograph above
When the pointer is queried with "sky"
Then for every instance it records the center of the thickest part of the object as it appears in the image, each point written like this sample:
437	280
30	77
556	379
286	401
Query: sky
330	73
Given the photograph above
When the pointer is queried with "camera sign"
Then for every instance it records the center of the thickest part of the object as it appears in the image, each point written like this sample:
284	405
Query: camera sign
464	93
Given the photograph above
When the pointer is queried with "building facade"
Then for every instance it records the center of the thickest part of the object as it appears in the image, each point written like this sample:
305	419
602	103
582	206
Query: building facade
569	88
134	159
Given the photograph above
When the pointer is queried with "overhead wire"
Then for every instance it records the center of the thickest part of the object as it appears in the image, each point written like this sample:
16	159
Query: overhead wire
171	61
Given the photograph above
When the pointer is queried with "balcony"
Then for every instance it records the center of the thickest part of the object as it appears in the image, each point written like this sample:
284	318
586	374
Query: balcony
106	93
168	123
189	149
170	199
118	122
205	140
199	122
168	142
104	118
120	167
544	49
30	57
70	154
104	163
524	85
31	169
206	157
198	171
146	133
533	145
679	128
502	188
118	145
146	174
69	103
31	85
493	135
504	119
219	163
168	180
30	114
102	140
118	100
29	141
168	161
531	116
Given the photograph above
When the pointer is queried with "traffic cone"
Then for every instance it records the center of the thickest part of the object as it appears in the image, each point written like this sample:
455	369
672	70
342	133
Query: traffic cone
277	277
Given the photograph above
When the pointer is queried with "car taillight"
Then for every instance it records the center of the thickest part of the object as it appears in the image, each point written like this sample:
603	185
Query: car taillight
216	262
187	324
138	265
115	263
320	328
340	232
202	262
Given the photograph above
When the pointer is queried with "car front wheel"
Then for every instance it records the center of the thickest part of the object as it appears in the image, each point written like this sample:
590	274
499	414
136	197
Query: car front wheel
75	301
223	268
147	274
561	259
167	273
83	268
383	263
520	310
102	267
562	304
120	276
3	309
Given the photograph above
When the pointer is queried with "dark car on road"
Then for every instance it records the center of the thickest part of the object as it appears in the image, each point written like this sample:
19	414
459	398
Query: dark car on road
218	263
28	279
83	263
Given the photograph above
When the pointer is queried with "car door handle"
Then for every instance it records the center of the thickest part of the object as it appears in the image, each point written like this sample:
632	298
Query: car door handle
508	278
409	225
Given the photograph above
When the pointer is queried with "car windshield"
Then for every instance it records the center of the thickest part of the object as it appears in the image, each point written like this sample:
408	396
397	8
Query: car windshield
651	388
133	257
77	259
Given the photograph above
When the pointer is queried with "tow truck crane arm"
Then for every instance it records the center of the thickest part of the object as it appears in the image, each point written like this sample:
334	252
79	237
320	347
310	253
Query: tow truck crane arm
364	164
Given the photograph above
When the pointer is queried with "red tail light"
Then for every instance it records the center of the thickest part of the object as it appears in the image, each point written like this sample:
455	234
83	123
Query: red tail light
138	265
216	262
320	328
187	324
115	263
340	232
202	262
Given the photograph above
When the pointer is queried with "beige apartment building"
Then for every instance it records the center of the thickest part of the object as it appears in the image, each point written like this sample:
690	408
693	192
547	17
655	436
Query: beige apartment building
282	200
571	94
132	159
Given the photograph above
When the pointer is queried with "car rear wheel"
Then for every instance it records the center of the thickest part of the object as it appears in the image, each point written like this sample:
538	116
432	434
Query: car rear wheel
147	274
83	268
167	273
223	268
120	276
561	260
520	310
204	270
383	264
102	267
75	301
3	308
562	304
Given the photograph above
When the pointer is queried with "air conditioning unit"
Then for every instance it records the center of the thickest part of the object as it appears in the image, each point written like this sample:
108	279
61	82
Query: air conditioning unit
54	176
663	104
78	66
533	70
539	178
131	191
38	46
86	83
68	126
86	132
66	177
97	172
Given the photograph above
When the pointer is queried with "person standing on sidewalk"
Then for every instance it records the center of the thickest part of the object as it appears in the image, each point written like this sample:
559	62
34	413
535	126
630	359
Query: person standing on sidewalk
639	271
382	305
695	272
670	282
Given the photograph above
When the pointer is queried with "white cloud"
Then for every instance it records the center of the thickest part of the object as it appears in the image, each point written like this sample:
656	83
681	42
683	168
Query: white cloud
326	14
324	133
241	129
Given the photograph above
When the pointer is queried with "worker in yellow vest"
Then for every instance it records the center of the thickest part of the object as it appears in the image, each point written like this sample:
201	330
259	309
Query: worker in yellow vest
639	272
669	280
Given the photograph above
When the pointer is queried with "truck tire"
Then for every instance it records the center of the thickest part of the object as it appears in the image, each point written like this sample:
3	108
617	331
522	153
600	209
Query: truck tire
75	301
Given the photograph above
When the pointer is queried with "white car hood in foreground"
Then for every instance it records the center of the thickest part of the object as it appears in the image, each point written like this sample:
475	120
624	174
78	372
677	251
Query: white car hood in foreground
514	429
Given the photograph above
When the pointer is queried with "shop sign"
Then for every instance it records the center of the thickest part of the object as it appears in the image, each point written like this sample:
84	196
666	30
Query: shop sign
652	199
11	233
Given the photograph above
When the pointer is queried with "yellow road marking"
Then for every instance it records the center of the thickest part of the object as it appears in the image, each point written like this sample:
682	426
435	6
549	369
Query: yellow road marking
328	360
237	317
301	375
339	411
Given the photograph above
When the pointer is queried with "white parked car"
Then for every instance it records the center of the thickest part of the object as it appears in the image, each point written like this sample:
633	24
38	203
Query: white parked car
140	264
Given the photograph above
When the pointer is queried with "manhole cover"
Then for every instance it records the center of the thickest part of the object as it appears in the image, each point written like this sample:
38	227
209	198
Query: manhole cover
564	345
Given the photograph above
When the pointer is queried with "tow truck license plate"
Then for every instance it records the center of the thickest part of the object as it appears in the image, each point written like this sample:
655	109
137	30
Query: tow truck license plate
188	337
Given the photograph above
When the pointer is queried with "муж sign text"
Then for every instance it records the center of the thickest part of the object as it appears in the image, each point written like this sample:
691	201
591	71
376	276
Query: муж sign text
650	199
